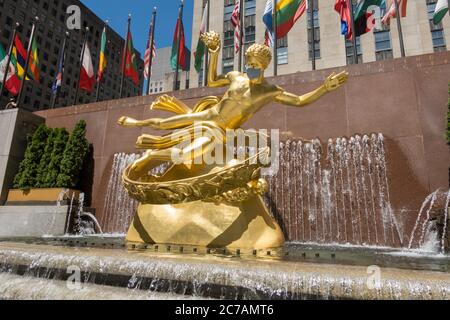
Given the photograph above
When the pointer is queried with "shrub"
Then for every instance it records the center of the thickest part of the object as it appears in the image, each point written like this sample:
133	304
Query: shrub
45	160
26	177
52	170
73	157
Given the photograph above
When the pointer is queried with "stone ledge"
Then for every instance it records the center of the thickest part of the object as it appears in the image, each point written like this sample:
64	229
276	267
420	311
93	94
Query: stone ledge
33	221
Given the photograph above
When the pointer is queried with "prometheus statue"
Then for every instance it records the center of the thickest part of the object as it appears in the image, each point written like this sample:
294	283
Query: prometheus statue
204	205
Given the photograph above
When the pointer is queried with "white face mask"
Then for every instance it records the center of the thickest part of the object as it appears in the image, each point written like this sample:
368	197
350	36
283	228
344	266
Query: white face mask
253	73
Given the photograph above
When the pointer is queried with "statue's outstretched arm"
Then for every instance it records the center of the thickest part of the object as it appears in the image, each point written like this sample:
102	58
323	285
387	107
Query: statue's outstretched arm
212	41
333	82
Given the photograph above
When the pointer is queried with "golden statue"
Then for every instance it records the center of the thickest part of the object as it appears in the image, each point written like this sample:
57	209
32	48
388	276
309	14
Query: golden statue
209	205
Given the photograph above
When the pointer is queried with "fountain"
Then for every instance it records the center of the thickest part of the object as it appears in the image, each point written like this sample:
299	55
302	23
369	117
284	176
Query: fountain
200	230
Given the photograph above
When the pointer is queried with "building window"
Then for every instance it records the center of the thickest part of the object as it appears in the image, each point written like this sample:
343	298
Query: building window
228	66
383	46
282	50
315	20
437	30
349	50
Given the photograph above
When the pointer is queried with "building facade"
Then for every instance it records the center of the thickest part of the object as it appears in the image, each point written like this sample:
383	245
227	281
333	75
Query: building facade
49	36
420	35
162	78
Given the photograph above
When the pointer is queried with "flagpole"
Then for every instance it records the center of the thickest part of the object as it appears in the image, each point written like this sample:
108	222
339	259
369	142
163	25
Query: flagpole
275	39
125	51
205	68
8	60
313	40
180	19
24	78
352	19
63	50
241	36
75	101
99	82
152	40
399	27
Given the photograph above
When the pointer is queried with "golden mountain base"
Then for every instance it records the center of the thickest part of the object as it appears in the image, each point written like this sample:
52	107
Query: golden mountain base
247	225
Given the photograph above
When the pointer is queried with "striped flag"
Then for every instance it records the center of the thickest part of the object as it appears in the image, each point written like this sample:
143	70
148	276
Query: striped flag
103	62
392	13
343	8
288	12
440	11
58	80
19	58
267	19
236	22
147	54
12	83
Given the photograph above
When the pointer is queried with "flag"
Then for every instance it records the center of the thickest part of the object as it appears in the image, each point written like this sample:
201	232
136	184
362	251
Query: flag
362	15
236	22
34	62
19	58
267	19
440	11
343	8
12	83
392	13
87	77
201	48
182	60
147	54
131	70
102	61
288	12
59	76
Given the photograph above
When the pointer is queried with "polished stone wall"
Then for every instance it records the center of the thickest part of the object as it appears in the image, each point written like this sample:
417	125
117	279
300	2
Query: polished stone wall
405	99
15	125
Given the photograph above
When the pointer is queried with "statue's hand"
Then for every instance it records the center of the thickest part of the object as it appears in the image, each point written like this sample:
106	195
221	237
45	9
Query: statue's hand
211	40
334	81
161	100
127	122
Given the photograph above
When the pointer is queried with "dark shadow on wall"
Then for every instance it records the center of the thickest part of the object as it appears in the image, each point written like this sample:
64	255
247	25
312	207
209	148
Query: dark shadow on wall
87	176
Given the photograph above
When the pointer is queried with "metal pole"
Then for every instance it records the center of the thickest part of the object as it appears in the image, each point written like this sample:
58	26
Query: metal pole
125	50
205	68
352	18
313	40
99	83
241	22
275	38
75	101
399	27
180	21
152	40
24	78
8	61
61	54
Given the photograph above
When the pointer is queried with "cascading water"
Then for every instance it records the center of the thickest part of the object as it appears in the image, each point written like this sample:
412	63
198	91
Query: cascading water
119	207
340	197
430	232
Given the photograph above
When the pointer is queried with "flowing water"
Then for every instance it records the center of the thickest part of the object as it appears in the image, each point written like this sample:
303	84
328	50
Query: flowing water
338	193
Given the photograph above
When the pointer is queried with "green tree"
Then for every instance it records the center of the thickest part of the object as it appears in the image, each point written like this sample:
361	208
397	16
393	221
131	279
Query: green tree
59	145
73	157
45	160
26	177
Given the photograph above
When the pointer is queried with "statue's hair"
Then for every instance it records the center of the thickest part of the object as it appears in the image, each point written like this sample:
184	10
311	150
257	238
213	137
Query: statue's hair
261	52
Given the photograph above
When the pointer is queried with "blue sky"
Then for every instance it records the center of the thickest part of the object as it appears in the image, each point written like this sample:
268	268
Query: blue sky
116	11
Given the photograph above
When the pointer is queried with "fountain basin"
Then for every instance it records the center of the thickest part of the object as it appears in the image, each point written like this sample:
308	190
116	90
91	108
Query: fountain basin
220	276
